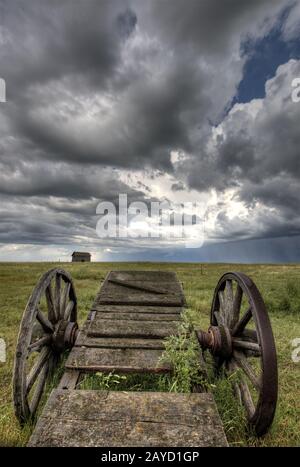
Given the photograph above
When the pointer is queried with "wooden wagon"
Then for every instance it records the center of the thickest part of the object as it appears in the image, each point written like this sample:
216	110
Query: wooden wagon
125	331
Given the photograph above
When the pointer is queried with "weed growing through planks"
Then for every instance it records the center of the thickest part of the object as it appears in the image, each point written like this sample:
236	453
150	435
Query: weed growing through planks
115	382
102	381
182	352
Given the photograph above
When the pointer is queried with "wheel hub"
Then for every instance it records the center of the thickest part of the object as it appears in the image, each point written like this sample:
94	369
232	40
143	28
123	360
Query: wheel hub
217	339
64	336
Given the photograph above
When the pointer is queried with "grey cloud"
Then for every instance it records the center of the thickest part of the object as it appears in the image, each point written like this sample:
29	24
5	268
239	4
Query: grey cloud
256	153
61	180
148	121
48	40
56	58
210	26
291	27
257	140
121	84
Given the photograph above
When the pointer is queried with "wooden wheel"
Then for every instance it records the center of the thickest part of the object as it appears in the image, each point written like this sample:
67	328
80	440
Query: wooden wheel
48	327
240	339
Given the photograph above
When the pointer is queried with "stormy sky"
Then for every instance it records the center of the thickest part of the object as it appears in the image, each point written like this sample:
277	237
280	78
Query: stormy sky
157	99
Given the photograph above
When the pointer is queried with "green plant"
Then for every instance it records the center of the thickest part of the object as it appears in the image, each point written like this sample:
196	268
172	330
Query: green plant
102	381
182	352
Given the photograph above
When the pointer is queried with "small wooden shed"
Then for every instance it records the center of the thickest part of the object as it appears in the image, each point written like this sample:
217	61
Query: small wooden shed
81	257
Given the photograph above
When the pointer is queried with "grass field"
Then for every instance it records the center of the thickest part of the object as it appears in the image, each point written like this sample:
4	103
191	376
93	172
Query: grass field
279	285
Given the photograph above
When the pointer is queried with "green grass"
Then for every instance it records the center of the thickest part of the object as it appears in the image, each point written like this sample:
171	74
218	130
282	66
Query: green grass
279	285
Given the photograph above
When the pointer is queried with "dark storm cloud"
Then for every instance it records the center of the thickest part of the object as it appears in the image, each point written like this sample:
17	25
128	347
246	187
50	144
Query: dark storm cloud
262	224
57	58
144	128
51	205
54	222
258	251
63	181
210	26
96	85
48	40
126	22
40	225
280	192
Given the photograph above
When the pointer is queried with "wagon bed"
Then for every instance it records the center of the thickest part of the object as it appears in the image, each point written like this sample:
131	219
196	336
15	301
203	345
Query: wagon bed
133	312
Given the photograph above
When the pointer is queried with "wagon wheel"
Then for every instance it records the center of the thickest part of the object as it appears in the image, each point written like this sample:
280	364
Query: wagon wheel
240	339
48	327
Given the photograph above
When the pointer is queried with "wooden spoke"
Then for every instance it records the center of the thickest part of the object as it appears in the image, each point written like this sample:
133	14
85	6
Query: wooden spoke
240	326
50	304
37	345
246	398
54	359
47	326
250	335
236	388
243	363
237	392
37	331
57	294
219	318
228	301
247	345
39	389
222	301
64	299
222	305
229	290
248	340
243	391
68	310
237	301
37	368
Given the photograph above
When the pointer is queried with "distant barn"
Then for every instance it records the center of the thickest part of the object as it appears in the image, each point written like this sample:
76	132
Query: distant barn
80	257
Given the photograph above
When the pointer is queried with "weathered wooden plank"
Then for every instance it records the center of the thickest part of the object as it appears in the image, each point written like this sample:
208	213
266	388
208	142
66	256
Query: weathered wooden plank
144	276
141	287
139	298
119	343
69	379
111	293
132	328
82	332
83	340
157	310
101	418
133	316
118	360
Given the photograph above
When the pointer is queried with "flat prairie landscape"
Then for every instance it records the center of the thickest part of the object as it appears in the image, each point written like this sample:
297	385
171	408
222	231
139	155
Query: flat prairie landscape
280	288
